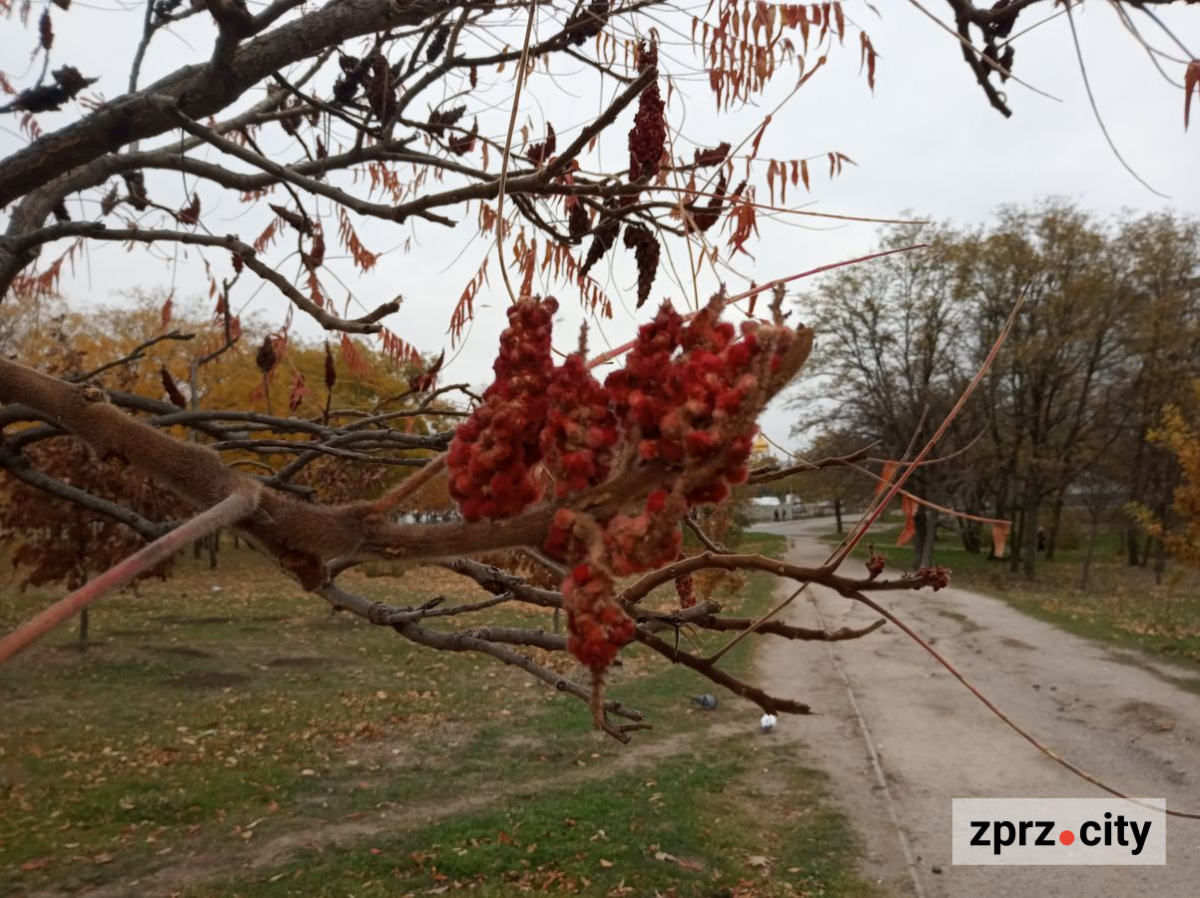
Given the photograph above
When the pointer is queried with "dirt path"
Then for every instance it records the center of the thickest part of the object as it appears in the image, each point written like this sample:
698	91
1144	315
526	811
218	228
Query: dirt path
901	738
213	866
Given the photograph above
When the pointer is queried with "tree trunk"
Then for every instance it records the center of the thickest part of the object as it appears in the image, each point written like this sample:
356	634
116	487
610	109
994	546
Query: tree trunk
1160	561
927	544
83	629
837	512
1146	551
1055	523
1017	541
1131	544
1085	575
969	533
214	544
1033	504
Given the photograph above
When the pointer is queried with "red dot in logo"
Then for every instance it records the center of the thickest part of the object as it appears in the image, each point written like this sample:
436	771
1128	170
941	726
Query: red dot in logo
1066	837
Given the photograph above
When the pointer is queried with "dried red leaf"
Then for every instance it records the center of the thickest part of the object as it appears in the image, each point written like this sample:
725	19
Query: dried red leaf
171	388
539	153
587	22
266	359
644	244
440	119
578	222
330	368
190	214
603	238
461	144
298	392
648	137
1191	82
380	91
300	222
427	379
45	30
714	156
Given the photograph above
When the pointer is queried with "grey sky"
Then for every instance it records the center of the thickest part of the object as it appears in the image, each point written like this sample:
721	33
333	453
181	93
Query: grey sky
926	141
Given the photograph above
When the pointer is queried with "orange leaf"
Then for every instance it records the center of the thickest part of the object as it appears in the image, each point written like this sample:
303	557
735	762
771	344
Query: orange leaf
910	525
1000	538
885	476
759	136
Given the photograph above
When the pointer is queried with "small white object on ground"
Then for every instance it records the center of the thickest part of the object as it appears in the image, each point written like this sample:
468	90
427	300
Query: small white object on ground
767	723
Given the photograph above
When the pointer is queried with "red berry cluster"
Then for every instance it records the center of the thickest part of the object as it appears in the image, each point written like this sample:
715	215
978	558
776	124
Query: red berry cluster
648	136
493	454
646	540
686	590
686	400
580	430
598	624
692	407
875	562
936	577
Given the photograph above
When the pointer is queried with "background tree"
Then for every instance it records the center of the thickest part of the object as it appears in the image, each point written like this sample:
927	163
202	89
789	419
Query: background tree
1179	434
843	488
1078	388
889	364
1159	273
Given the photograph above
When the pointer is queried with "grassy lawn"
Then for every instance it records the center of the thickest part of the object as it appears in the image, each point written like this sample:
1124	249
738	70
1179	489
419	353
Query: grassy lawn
1122	605
227	735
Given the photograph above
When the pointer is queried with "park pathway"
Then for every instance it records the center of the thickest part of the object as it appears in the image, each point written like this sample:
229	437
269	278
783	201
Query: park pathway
900	737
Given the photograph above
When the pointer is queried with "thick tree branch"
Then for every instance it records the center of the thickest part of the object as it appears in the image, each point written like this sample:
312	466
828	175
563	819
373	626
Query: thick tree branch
140	115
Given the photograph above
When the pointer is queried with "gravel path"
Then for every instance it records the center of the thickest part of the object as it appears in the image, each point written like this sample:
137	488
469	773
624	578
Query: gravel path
900	737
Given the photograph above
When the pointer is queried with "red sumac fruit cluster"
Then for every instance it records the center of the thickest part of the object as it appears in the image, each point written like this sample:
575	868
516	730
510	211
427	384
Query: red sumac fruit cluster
685	402
493	454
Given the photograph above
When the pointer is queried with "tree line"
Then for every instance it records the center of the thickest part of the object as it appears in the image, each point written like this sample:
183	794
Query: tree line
1106	341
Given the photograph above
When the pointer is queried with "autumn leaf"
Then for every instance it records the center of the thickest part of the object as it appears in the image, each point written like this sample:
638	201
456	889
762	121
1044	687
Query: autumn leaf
295	219
190	214
354	359
759	136
45	30
171	388
539	154
330	369
1191	82
298	392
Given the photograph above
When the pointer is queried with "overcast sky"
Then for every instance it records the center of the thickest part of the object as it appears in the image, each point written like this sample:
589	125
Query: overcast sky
925	142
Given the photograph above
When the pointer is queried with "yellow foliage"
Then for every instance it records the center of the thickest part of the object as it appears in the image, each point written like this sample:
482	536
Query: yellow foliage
1180	433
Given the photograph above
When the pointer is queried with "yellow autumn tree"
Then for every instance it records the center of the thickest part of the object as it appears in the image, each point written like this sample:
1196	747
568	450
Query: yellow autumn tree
1180	434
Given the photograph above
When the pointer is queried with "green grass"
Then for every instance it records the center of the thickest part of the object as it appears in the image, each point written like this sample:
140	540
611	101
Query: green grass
695	824
1123	605
208	725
